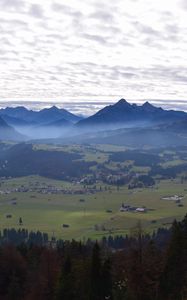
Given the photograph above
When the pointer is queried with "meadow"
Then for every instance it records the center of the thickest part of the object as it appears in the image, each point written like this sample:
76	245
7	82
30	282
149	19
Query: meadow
88	215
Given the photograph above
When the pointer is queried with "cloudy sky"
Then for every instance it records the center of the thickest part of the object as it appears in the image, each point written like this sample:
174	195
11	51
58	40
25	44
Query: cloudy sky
73	52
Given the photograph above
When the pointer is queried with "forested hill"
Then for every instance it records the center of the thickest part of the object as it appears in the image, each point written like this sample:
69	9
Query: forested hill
22	160
136	267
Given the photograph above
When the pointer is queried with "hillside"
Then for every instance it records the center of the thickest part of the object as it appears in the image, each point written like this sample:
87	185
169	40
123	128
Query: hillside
9	133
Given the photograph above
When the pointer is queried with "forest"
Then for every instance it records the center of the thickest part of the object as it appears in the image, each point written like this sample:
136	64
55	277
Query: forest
137	267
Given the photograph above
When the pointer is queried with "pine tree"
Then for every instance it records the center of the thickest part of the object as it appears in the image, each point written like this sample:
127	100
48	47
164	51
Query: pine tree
65	290
96	284
173	277
14	289
106	280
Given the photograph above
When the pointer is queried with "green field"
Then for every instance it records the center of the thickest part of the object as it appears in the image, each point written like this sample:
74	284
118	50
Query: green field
47	212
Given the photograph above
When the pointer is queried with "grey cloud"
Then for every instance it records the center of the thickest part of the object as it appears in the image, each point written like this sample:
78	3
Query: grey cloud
36	11
152	43
5	41
108	41
57	37
172	28
109	29
127	75
12	3
94	37
102	16
13	22
98	71
183	4
105	6
5	52
145	29
66	9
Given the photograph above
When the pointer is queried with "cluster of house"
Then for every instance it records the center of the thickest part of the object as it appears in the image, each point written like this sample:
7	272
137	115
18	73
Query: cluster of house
107	177
125	208
117	178
6	192
177	199
49	190
67	191
173	198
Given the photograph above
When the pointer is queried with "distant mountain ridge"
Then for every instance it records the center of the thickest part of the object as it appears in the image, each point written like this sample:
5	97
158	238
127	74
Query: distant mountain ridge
46	115
123	112
47	122
53	123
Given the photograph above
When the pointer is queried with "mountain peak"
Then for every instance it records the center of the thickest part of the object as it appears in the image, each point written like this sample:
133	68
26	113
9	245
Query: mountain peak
148	106
52	108
122	102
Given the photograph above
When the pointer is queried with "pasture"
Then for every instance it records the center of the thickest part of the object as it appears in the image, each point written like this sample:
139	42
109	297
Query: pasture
86	214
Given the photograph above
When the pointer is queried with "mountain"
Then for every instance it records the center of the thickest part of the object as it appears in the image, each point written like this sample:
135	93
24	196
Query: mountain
59	123
53	114
123	113
46	123
9	133
68	116
43	116
19	112
15	122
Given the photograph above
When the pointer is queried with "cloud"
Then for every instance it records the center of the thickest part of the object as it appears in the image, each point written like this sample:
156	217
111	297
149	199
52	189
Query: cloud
183	4
11	4
102	16
36	11
146	29
65	9
93	50
95	38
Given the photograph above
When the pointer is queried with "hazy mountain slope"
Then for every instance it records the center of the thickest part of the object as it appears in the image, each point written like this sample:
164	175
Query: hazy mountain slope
142	137
9	133
53	129
180	127
155	136
13	121
60	123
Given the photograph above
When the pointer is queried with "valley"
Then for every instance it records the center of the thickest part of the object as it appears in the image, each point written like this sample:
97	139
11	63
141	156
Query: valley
88	203
75	177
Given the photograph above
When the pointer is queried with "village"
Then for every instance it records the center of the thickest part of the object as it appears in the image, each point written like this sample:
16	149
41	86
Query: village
89	184
49	190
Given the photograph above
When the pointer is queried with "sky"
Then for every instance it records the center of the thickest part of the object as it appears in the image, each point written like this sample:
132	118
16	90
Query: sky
82	54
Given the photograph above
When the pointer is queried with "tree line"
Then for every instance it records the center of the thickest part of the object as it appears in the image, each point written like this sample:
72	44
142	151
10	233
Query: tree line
135	267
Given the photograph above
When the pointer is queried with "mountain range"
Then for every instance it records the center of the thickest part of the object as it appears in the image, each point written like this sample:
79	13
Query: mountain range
123	112
119	121
21	114
48	122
